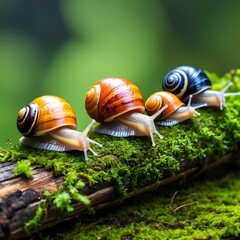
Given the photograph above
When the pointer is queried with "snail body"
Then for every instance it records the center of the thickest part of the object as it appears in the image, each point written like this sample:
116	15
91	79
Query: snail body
49	122
186	80
214	98
117	104
176	112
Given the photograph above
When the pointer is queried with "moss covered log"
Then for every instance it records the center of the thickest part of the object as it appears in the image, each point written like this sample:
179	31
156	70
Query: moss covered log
50	187
206	208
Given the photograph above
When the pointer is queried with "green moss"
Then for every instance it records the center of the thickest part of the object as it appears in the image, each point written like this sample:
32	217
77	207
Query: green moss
63	201
35	220
130	163
23	168
207	208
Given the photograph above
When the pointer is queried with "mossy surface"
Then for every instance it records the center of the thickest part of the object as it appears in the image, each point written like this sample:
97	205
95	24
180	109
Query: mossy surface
206	208
130	163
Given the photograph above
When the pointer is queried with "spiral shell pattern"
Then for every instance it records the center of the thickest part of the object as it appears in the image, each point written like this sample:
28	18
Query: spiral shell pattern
92	100
27	119
112	97
185	80
160	99
45	114
153	104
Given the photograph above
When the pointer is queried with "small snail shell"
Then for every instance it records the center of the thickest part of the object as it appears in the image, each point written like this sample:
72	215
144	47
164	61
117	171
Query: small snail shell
49	122
176	112
117	104
186	80
159	99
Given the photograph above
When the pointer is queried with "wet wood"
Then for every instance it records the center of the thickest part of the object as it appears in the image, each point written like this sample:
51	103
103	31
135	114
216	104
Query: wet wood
19	197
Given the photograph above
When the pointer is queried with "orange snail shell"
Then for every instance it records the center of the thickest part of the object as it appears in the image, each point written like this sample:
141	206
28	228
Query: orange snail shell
159	99
112	97
45	114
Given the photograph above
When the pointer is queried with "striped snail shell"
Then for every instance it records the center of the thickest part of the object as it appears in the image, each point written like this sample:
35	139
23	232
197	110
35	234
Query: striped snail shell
184	81
45	114
176	111
49	122
118	105
159	99
112	97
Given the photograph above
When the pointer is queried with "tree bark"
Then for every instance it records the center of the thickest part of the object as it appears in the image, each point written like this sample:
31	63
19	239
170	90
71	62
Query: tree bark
19	197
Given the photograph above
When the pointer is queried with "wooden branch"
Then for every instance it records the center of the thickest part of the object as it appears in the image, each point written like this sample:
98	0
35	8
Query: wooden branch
10	183
20	197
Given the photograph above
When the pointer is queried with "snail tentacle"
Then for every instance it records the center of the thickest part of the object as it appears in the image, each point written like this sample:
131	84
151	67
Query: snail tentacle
87	129
94	142
159	135
213	98
93	152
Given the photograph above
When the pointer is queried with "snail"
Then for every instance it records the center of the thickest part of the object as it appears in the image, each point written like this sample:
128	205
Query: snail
117	104
176	112
49	122
186	80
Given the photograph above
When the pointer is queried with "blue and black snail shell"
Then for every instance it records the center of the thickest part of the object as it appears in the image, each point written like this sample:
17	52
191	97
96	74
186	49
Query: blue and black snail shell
184	81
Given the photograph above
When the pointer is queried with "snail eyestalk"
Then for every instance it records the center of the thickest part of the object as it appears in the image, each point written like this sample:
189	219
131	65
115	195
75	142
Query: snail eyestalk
86	130
84	133
153	117
156	115
195	107
85	153
222	95
229	94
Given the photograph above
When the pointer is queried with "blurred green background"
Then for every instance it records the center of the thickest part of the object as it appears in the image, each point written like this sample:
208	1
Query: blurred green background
63	47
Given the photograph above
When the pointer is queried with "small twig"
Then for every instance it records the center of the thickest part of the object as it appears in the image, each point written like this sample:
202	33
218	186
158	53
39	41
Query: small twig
93	224
106	229
184	205
173	197
192	194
